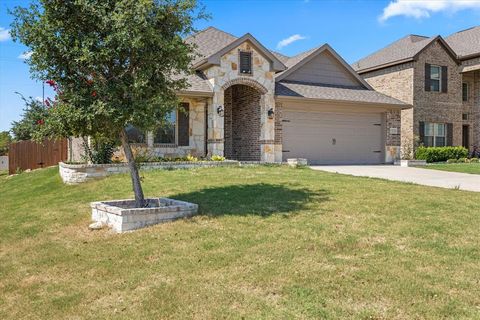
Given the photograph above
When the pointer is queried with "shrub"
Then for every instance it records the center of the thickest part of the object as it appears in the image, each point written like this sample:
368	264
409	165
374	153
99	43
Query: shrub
217	158
437	154
452	161
191	158
463	160
474	160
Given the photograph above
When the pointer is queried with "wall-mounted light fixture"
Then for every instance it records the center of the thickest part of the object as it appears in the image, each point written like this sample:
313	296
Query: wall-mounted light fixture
270	113
220	111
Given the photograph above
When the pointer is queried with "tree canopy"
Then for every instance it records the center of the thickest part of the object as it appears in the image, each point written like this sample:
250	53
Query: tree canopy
112	63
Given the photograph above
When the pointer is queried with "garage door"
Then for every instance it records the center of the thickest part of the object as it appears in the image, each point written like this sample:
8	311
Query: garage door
331	137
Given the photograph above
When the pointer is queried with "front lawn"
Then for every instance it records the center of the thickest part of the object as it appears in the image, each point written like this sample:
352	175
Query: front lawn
270	243
473	168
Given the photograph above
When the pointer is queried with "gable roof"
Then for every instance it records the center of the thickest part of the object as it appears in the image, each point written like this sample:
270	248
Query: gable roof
214	58
318	92
404	50
301	59
212	43
209	41
465	43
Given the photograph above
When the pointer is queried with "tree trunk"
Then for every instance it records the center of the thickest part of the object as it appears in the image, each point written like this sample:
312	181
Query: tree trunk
137	186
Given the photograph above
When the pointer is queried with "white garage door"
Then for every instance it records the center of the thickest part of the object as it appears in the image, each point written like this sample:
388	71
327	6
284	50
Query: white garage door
332	137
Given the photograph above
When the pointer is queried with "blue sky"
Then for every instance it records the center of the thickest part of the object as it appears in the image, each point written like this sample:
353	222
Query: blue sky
353	28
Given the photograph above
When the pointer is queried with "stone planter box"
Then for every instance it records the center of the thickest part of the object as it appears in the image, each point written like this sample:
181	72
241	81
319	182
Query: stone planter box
78	173
121	215
410	163
295	162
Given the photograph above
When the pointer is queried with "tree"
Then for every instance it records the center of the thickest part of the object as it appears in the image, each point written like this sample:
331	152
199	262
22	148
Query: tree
33	116
5	140
113	63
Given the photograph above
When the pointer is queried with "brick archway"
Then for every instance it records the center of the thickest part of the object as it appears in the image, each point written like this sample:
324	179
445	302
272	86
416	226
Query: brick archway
242	122
247	82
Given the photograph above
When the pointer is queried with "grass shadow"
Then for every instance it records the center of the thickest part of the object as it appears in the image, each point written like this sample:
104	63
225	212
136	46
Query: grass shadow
254	199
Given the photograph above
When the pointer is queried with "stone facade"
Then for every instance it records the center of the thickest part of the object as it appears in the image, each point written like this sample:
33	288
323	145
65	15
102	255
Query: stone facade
79	173
226	75
406	82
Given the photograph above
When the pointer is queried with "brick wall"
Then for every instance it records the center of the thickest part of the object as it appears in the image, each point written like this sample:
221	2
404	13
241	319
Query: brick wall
242	123
438	106
396	82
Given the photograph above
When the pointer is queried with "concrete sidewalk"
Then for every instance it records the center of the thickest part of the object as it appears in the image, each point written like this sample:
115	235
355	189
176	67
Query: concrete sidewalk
426	177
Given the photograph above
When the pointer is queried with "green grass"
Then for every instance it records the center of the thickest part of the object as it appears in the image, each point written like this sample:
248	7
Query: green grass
473	168
269	243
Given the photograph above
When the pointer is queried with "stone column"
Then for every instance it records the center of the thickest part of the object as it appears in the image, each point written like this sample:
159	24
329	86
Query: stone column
267	132
216	124
197	125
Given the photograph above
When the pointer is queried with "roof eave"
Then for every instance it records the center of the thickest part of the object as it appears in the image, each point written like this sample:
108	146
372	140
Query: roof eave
191	93
385	65
391	106
214	59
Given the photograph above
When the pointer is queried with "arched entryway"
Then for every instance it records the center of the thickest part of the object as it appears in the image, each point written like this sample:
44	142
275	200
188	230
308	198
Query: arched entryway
242	122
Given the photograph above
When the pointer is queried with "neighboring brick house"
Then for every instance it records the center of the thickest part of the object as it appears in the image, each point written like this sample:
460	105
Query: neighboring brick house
440	78
248	103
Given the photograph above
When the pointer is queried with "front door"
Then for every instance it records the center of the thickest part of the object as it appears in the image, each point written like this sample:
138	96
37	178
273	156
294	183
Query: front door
465	136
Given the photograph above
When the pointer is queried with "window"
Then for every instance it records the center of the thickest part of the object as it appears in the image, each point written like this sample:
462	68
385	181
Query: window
465	116
166	133
435	134
245	62
465	91
435	78
135	135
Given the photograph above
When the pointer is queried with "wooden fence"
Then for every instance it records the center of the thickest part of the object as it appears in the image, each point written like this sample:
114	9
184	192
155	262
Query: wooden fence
28	154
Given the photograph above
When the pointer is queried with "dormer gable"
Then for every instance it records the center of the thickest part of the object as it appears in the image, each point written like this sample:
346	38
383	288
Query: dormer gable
215	59
323	66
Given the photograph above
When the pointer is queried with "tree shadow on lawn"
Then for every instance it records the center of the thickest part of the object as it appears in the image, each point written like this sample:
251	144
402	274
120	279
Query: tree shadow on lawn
254	199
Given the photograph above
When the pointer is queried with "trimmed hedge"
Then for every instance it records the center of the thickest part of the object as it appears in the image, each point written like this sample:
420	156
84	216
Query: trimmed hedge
438	154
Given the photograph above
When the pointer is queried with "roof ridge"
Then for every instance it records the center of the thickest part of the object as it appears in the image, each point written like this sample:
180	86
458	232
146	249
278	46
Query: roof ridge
465	30
208	28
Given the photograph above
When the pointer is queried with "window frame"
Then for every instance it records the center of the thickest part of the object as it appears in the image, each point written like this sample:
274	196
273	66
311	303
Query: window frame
435	134
144	133
250	54
465	85
439	78
166	144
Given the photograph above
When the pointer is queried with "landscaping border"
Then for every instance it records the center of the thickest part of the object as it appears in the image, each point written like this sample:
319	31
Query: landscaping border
79	173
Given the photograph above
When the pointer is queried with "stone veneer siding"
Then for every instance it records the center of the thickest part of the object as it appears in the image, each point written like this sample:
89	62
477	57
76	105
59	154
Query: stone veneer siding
225	75
242	123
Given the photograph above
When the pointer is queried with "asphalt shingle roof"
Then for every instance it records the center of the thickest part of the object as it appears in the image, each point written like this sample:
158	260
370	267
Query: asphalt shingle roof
210	41
465	42
326	92
402	49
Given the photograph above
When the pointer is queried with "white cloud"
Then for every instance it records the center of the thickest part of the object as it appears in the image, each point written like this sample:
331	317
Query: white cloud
4	34
423	8
25	55
289	40
39	99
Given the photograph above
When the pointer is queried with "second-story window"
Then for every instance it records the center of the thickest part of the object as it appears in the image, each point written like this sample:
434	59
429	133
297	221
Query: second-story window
245	62
435	78
465	91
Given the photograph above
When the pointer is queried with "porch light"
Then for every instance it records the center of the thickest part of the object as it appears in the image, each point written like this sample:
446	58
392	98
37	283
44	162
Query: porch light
270	113
220	111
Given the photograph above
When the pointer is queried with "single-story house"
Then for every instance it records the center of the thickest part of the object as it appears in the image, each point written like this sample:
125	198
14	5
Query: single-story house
248	103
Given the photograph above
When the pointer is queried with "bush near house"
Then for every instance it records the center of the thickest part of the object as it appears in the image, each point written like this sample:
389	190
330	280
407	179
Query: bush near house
438	154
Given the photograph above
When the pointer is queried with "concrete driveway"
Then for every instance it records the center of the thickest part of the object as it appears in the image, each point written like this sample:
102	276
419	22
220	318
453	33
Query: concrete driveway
426	177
